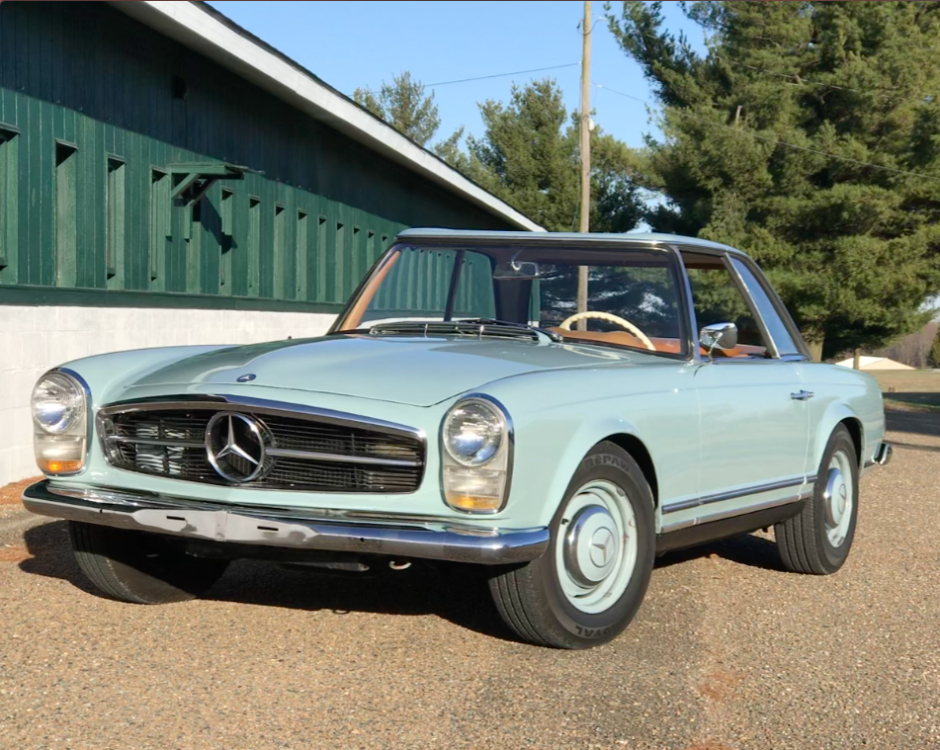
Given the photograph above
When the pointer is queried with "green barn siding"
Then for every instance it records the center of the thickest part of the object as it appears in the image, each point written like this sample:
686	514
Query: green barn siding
83	76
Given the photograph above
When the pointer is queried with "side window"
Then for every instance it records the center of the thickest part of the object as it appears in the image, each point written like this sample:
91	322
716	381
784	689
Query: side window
718	299
772	320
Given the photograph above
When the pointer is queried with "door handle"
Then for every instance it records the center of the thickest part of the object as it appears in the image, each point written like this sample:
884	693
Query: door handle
802	395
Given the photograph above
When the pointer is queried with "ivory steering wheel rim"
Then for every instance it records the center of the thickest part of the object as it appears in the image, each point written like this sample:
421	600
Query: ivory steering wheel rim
610	317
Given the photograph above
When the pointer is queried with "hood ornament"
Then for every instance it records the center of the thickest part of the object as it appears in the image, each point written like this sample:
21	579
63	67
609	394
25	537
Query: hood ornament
246	378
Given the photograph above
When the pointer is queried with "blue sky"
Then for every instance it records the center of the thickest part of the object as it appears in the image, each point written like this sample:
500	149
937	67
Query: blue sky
360	44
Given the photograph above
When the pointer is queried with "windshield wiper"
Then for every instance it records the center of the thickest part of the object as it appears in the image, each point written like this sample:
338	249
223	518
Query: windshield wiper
552	336
475	327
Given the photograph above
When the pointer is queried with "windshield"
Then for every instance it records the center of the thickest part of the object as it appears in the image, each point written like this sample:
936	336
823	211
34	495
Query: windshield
632	295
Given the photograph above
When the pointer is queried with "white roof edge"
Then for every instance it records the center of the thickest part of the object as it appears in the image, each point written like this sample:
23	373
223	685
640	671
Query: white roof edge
201	31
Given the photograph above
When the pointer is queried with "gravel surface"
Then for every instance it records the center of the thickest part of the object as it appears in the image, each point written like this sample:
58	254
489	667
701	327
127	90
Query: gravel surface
728	651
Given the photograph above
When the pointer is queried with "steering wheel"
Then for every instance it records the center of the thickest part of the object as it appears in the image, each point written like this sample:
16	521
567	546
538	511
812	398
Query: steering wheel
566	325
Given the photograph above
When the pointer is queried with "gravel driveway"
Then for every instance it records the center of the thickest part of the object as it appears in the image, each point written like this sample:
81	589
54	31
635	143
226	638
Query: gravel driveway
728	652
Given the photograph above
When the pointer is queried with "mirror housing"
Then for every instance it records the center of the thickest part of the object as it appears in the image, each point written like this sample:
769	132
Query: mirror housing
718	336
516	270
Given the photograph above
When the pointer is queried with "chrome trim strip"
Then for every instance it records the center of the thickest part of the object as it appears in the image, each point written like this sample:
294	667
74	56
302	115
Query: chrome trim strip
724	514
340	458
225	402
376	534
733	494
159	443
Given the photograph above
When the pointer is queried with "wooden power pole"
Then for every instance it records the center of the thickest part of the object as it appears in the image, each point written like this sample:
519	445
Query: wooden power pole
585	152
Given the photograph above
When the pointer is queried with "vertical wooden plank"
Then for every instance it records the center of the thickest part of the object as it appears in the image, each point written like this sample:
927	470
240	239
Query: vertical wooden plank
66	231
278	265
302	256
226	236
254	246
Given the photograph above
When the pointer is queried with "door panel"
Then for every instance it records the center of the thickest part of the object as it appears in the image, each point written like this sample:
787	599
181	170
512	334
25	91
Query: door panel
753	431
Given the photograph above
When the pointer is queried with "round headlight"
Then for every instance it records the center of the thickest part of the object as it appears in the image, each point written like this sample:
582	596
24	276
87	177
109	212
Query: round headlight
473	432
58	402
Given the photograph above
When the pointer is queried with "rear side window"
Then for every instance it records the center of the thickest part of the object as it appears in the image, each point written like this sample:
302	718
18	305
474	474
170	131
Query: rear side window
765	308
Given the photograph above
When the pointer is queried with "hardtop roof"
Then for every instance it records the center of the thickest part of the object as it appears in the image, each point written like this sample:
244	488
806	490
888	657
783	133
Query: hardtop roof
550	237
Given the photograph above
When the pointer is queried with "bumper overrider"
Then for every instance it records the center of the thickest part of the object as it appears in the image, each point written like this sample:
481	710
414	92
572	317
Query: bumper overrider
290	528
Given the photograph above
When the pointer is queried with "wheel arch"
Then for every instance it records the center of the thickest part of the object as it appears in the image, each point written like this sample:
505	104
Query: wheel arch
638	450
838	413
854	426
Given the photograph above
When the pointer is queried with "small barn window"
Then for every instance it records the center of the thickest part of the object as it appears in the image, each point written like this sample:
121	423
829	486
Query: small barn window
179	87
9	190
66	232
159	220
115	228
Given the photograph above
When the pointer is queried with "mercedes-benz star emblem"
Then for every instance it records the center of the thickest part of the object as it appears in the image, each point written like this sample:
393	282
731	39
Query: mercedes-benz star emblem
235	446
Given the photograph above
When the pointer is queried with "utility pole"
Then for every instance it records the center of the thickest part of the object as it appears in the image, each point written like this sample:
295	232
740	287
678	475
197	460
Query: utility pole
585	152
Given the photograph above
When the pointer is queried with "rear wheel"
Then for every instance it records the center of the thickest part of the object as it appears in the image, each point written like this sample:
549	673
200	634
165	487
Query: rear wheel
142	568
589	584
818	540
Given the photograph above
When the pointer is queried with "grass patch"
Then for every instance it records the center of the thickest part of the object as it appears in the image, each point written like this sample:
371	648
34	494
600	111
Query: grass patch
910	390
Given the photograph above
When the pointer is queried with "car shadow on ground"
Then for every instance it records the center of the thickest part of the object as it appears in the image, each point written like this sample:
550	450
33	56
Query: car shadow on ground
747	549
915	423
455	593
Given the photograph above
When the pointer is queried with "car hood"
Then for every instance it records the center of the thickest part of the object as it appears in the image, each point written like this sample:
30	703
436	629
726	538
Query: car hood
418	371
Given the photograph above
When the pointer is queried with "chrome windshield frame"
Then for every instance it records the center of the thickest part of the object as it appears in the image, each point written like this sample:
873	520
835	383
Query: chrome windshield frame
687	335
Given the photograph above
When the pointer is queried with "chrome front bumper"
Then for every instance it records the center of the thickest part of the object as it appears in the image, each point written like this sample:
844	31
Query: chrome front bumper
293	528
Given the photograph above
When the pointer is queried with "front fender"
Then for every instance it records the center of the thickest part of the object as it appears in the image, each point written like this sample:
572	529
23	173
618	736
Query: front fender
541	484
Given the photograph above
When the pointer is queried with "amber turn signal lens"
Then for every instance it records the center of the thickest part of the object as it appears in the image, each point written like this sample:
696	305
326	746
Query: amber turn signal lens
473	502
53	466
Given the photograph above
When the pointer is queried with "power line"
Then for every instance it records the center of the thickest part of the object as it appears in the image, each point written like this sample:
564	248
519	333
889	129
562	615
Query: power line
502	75
483	78
778	142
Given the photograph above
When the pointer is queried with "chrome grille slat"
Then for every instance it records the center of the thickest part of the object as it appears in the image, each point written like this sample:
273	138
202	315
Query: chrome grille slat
304	455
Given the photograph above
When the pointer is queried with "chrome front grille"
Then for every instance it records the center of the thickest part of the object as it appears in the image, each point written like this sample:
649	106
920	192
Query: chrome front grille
305	449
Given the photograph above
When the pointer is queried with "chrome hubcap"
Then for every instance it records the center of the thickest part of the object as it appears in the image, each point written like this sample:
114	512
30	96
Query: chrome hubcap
596	551
837	498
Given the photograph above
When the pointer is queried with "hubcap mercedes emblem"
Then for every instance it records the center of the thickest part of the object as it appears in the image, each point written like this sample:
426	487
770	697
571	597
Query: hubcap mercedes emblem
235	446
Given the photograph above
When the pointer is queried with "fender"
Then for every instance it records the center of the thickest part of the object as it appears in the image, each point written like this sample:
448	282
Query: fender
567	459
835	412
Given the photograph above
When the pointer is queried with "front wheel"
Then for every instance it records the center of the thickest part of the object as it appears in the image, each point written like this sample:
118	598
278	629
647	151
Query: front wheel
590	582
818	540
138	567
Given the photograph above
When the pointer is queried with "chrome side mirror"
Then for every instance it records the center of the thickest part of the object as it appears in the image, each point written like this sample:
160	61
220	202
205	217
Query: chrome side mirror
718	336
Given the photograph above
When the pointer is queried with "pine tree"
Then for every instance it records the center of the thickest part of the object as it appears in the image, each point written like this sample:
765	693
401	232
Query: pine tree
790	138
529	156
933	356
404	105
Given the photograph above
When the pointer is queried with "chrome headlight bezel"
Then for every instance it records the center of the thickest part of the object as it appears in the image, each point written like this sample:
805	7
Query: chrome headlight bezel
61	446
490	476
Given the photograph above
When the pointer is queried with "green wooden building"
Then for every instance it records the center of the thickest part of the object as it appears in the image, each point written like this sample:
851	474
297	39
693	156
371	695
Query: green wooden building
161	168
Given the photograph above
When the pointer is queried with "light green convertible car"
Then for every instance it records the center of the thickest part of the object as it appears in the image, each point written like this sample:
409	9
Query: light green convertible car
557	407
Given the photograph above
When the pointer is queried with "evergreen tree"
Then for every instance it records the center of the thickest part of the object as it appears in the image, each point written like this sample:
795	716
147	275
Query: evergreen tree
790	138
529	156
404	105
933	356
